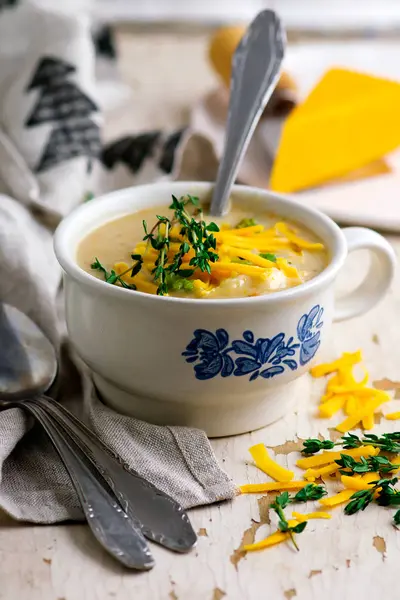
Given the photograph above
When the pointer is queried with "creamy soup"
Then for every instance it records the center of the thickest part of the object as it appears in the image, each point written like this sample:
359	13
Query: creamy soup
188	254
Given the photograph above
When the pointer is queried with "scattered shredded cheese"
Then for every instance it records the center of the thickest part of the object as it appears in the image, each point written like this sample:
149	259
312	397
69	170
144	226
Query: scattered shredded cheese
393	416
268	465
313	474
347	359
344	392
273	539
329	457
331	406
356	483
256	488
367	410
312	515
339	498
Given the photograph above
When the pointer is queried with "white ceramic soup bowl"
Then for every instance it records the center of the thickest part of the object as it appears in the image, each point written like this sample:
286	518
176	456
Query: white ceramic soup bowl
226	365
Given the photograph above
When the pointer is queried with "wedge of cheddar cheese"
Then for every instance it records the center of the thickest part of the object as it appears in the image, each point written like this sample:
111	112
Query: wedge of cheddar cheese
349	121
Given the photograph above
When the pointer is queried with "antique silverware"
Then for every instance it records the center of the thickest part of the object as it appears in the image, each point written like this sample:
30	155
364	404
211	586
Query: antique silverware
20	371
23	378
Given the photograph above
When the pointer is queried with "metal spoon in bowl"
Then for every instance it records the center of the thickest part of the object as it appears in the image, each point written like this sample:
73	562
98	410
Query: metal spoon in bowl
27	368
255	72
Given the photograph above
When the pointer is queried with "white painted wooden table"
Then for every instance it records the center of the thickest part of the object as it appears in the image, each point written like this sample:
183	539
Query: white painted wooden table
346	558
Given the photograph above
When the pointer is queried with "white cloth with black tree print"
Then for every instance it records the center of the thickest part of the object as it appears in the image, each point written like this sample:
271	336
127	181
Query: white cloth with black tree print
49	115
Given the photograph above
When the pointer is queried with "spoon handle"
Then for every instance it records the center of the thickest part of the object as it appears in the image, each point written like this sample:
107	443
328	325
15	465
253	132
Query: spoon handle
113	528
255	72
162	519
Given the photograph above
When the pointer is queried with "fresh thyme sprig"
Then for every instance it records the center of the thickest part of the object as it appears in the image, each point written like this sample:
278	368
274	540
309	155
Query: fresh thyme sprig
359	501
309	492
396	518
195	234
314	445
161	243
388	495
113	278
381	464
387	442
383	489
281	502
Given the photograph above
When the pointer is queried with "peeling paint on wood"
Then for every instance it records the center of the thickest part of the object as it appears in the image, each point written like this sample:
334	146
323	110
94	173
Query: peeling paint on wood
202	532
172	595
218	594
290	594
348	563
247	538
263	506
314	572
288	447
388	385
379	543
334	434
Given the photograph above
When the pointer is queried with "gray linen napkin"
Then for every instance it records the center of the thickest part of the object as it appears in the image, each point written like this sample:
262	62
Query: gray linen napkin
48	113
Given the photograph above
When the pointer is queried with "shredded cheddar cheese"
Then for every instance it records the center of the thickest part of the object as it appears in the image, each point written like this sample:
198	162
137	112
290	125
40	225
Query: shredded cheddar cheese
313	474
344	392
367	410
346	360
275	538
360	483
256	488
256	259
268	465
329	457
393	416
339	498
296	240
331	406
368	421
313	515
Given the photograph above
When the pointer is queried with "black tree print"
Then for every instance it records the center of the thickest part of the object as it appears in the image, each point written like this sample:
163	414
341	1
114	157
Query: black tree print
166	162
7	3
50	70
131	150
62	102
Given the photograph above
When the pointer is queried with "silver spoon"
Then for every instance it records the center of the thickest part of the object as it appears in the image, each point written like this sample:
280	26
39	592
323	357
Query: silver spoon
161	518
116	531
255	72
119	533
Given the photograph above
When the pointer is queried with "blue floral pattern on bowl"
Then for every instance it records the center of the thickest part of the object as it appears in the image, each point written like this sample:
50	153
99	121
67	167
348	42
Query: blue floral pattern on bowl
212	354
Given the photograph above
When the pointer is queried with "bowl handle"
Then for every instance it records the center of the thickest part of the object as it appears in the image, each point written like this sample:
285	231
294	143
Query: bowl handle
378	279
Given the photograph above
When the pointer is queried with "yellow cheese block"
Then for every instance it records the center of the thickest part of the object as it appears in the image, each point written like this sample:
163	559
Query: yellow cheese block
348	121
373	169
